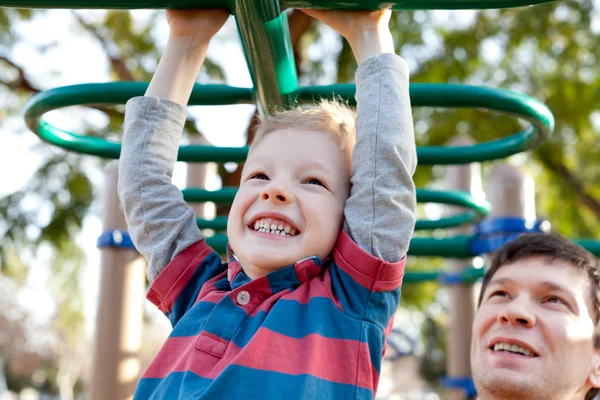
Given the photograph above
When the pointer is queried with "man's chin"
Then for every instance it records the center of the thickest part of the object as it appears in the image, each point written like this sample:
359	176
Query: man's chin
505	384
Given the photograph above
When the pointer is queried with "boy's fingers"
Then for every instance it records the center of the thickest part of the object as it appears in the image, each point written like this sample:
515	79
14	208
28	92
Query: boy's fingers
311	12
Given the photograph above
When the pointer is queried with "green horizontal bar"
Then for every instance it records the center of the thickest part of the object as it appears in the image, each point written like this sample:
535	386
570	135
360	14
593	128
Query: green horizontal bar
468	275
480	208
218	223
456	247
432	95
328	4
593	246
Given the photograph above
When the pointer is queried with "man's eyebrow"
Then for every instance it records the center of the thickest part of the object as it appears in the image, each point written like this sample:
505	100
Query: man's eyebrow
546	284
502	281
554	286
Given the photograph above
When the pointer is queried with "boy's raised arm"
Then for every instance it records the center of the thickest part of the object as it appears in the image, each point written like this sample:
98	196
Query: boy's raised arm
380	212
160	223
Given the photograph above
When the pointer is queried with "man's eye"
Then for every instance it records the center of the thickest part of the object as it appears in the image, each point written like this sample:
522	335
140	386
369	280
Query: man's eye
259	175
315	181
554	300
498	293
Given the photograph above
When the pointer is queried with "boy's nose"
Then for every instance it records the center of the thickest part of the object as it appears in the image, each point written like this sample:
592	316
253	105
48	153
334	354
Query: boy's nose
276	194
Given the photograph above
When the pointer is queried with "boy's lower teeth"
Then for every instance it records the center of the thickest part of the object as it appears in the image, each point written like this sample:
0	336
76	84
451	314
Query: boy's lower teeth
273	232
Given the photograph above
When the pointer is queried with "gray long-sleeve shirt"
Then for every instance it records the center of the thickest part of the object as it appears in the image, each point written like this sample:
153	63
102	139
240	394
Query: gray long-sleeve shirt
379	214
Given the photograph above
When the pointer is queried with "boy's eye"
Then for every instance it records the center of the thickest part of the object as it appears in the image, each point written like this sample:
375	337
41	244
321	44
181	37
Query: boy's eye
259	175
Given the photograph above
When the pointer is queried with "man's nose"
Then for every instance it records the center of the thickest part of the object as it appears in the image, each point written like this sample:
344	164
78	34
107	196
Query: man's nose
518	312
276	193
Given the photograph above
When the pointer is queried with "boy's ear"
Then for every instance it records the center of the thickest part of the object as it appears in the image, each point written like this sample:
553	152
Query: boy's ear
594	376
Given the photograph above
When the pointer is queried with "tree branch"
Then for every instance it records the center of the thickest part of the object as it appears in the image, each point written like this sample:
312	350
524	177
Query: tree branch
117	62
573	182
21	83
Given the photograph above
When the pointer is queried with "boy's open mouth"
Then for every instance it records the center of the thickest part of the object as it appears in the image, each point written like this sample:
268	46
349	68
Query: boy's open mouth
274	226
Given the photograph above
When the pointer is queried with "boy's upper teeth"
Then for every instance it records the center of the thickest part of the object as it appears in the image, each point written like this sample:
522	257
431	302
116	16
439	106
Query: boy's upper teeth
274	226
512	348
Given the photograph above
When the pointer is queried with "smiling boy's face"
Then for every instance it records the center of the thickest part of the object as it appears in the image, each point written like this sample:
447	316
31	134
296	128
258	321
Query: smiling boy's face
290	204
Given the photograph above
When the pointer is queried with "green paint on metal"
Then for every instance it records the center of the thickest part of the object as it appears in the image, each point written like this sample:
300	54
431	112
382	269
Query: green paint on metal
285	66
456	247
593	246
266	41
411	4
218	223
468	275
433	95
480	208
327	4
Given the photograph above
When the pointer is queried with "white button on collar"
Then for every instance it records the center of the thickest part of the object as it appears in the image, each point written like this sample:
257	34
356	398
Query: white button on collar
243	298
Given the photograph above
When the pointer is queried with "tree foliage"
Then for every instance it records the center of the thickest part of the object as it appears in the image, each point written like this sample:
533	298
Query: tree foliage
548	52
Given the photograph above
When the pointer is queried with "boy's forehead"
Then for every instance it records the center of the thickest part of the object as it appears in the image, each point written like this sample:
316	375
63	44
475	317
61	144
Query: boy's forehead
297	135
309	144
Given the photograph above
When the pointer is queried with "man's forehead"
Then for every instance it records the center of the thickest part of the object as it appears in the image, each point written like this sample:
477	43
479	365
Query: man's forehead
544	272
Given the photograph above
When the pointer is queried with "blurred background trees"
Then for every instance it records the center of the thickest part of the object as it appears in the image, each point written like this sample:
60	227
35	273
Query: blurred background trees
548	52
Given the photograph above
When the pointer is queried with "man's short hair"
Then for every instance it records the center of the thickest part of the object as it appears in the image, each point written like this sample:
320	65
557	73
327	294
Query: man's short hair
552	247
333	117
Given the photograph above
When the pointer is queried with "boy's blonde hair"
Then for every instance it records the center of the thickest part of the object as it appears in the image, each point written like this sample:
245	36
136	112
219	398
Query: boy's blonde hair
333	117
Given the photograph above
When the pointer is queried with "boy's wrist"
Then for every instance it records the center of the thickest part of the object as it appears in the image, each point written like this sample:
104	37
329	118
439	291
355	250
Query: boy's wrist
371	42
188	43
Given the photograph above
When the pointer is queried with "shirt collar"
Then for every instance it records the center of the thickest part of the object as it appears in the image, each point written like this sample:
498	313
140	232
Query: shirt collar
287	277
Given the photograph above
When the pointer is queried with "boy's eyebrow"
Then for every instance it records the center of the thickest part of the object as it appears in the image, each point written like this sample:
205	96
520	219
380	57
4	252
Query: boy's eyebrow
318	164
315	164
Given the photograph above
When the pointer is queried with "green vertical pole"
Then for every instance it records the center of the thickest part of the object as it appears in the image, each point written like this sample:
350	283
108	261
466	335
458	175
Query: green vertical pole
266	40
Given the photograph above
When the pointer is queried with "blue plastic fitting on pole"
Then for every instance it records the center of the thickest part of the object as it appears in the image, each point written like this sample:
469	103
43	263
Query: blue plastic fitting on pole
115	239
464	383
501	225
492	234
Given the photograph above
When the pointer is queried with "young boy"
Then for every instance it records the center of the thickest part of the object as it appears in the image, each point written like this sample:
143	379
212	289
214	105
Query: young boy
318	231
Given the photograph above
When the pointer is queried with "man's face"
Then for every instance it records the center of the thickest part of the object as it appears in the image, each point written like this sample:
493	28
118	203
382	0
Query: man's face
290	204
533	333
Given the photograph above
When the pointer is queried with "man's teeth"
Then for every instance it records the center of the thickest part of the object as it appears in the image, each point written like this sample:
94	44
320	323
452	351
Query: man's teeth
512	348
275	227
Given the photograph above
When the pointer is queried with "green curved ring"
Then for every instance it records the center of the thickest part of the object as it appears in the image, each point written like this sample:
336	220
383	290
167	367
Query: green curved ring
433	95
468	275
479	208
455	247
329	4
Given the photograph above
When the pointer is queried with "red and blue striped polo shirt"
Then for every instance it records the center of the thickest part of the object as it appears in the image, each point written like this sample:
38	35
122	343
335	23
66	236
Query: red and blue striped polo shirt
312	330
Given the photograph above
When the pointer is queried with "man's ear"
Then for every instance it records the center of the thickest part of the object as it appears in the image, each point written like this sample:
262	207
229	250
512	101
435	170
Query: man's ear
594	377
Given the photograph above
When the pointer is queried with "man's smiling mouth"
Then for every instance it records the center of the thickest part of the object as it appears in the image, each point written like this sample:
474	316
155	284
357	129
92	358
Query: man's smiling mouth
274	226
512	348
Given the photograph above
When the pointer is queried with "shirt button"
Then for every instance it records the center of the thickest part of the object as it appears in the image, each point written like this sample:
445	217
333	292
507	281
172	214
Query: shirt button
243	298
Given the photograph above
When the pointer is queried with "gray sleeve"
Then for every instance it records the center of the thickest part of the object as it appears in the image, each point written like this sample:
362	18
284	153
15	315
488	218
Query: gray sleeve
380	212
160	222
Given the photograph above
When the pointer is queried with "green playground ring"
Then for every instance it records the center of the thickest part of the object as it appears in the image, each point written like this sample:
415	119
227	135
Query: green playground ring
540	118
466	276
231	4
455	247
593	246
479	208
